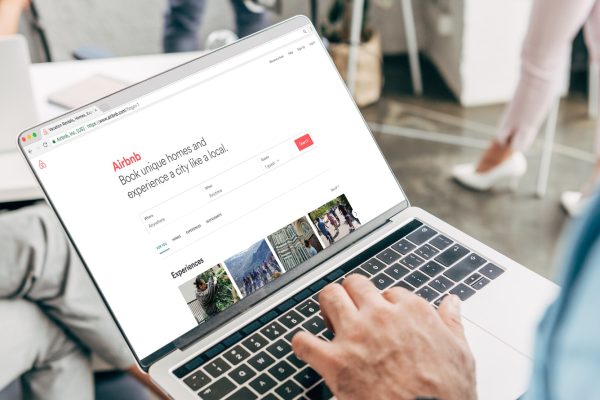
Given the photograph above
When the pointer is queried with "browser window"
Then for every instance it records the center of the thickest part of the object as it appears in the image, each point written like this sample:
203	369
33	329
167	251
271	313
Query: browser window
199	194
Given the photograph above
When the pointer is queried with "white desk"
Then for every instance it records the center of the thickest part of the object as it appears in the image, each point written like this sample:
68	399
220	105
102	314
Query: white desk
16	181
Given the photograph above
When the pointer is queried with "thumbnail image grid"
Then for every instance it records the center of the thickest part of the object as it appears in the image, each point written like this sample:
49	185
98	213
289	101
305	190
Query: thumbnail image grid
295	243
253	268
209	293
334	220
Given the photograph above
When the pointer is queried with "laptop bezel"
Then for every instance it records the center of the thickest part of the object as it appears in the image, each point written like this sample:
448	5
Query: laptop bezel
170	76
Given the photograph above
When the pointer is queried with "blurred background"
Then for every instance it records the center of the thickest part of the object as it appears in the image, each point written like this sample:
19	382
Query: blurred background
469	56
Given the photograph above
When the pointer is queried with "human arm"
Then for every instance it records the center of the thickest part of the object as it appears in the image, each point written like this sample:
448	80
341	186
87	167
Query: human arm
392	345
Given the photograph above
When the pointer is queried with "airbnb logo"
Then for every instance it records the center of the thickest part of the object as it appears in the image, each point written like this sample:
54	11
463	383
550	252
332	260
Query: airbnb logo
41	164
126	161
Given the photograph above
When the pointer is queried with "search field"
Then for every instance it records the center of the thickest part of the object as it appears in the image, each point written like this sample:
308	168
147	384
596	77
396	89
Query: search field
224	183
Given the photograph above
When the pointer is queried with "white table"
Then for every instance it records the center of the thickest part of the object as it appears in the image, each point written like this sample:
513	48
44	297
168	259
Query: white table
16	181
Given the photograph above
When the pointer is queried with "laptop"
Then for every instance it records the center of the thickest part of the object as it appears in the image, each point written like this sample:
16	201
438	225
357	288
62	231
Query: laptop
212	203
18	112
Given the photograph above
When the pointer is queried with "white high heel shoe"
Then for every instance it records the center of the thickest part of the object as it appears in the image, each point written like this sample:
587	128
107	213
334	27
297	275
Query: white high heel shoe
573	203
505	175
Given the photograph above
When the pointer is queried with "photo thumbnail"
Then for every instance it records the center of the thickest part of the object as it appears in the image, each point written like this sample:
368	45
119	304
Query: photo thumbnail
209	293
253	268
334	220
295	243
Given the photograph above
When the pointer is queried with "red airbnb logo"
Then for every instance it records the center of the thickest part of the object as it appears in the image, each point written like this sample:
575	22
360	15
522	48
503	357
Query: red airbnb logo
42	164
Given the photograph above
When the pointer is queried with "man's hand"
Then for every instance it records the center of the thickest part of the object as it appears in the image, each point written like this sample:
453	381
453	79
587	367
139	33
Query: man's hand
392	345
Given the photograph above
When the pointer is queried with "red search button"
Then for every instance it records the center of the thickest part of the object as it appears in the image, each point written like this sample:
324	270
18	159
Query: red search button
303	142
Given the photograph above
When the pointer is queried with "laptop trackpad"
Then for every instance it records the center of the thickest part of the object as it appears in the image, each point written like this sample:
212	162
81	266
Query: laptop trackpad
502	372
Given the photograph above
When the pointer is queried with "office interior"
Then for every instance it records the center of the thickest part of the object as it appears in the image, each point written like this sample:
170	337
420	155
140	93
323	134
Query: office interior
434	86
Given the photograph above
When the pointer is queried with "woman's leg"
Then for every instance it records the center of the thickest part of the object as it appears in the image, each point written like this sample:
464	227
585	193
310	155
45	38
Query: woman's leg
553	25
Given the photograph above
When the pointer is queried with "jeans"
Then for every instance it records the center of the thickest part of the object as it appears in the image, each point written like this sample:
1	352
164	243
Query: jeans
183	17
51	315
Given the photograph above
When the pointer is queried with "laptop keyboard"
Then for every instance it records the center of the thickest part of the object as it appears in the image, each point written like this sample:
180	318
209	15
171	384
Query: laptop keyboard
258	362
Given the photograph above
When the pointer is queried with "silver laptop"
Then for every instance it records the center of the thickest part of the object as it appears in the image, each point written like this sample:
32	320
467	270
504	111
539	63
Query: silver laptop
211	204
18	112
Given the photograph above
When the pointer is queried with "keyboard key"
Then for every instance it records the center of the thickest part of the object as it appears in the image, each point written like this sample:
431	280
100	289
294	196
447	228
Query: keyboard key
279	349
218	390
273	330
405	286
291	319
412	261
295	361
417	279
480	283
216	367
288	390
491	271
242	373
314	325
308	308
441	242
397	271
263	384
255	342
441	284
472	279
359	271
439	300
421	235
462	291
432	268
426	251
282	370
452	255
307	377
270	396
464	267
427	293
236	355
197	380
319	392
261	361
403	247
327	334
288	336
382	281
373	266
388	256
243	394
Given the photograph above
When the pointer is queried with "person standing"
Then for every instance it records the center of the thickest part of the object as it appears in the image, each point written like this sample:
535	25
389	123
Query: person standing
552	28
346	215
183	18
311	250
323	229
206	294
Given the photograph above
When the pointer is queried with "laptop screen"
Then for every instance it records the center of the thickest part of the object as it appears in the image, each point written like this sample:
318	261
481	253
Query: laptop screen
212	181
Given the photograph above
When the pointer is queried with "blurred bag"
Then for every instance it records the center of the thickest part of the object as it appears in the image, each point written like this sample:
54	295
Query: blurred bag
369	75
